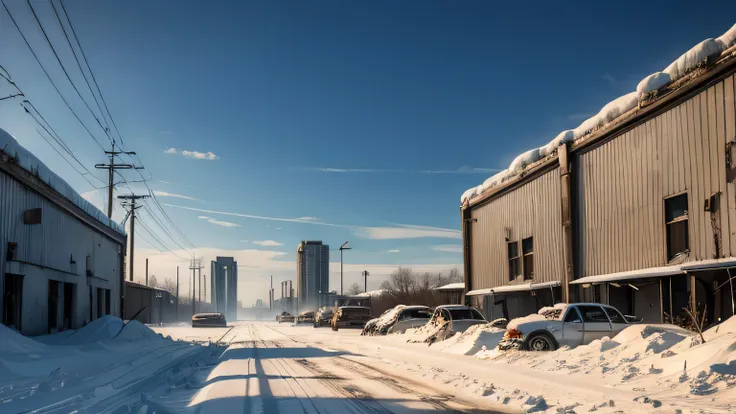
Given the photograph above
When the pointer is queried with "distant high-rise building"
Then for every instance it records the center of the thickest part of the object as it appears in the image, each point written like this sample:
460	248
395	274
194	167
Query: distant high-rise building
312	273
224	286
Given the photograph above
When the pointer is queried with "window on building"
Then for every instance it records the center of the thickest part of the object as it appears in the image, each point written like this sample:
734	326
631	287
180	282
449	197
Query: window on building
527	249
676	219
514	260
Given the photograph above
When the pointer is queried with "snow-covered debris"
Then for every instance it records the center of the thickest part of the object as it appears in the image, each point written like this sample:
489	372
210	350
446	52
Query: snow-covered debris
653	82
378	292
553	312
33	165
694	57
608	113
729	38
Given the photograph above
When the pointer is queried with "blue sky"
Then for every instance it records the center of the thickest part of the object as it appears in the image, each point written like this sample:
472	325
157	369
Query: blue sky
365	115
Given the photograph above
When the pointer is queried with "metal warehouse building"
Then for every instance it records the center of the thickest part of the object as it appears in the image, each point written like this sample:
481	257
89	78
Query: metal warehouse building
62	258
639	212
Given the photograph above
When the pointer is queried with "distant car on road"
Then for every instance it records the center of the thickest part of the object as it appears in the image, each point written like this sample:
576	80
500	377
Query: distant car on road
576	324
285	317
323	317
208	319
351	317
304	317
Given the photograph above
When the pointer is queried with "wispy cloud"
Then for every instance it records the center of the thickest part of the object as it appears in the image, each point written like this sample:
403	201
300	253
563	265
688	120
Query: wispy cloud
278	228
165	132
210	156
399	231
307	218
88	195
218	222
158	193
609	78
268	243
162	182
448	248
244	241
462	170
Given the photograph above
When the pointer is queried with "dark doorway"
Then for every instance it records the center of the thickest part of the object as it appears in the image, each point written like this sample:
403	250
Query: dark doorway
53	305
13	301
90	304
68	304
100	295
107	301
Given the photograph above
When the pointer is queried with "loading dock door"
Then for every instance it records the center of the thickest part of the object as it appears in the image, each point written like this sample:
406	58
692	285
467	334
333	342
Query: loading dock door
68	305
13	301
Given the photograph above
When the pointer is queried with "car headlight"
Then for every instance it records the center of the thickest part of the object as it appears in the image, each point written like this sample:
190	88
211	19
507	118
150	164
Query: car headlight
513	333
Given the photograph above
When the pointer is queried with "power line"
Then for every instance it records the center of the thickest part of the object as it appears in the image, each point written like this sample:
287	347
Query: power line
33	52
92	74
152	234
163	228
79	65
63	68
64	158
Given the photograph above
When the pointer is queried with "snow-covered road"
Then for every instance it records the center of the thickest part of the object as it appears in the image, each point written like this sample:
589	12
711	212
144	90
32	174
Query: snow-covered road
272	368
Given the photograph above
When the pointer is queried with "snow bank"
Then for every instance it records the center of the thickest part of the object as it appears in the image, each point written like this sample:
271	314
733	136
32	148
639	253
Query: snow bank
475	339
33	165
100	329
694	57
653	82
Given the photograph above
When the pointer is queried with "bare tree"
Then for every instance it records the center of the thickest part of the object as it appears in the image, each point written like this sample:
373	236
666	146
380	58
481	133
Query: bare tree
153	282
169	286
354	289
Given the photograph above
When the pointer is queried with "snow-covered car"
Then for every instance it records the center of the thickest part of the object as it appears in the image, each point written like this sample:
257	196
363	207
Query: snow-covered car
564	325
285	317
398	319
457	317
305	317
323	317
351	317
208	319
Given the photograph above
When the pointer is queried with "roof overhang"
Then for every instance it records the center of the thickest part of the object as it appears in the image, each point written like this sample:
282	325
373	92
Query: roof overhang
451	286
631	275
711	264
522	287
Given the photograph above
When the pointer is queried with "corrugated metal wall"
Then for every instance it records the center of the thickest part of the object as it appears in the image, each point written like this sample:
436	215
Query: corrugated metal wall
61	244
532	210
622	184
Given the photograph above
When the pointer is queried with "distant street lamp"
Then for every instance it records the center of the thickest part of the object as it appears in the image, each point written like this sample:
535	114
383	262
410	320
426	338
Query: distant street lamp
343	247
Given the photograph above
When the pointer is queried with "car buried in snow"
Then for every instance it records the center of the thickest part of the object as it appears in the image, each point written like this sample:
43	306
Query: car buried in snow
398	320
323	317
285	317
208	319
447	320
305	317
565	325
351	317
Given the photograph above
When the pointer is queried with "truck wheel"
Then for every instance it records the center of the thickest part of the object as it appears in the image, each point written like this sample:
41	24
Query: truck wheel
540	342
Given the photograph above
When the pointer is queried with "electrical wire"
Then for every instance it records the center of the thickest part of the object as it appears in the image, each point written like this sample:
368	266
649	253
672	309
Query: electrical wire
163	228
38	60
63	68
79	65
67	161
153	235
92	74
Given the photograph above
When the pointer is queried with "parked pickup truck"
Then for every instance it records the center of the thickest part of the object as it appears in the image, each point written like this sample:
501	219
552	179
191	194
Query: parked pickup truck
565	325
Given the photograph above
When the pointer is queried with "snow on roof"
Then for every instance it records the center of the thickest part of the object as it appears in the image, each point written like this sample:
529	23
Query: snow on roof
452	286
631	275
378	292
613	110
34	166
708	264
521	287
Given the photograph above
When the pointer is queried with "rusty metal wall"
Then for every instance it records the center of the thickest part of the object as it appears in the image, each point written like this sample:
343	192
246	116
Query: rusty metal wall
621	186
532	210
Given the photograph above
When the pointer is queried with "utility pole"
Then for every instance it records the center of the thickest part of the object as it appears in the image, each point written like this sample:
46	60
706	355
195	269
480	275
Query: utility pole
270	295
194	265
177	293
365	280
111	167
204	283
132	204
146	271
